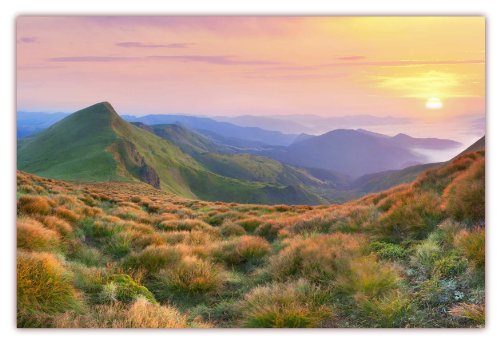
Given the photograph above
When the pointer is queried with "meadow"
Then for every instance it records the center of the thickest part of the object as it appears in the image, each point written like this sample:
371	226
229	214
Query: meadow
124	254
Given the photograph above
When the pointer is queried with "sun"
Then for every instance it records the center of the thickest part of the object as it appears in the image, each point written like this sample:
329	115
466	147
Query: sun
434	103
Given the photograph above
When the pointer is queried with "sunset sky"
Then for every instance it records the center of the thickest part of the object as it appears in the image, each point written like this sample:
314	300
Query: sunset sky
417	67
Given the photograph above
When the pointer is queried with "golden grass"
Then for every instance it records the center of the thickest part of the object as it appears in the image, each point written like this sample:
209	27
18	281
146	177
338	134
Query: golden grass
32	235
192	275
43	285
140	314
296	304
318	258
393	259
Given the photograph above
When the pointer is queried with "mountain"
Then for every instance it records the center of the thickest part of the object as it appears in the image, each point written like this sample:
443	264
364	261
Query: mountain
95	144
225	160
311	124
220	128
29	123
349	152
425	143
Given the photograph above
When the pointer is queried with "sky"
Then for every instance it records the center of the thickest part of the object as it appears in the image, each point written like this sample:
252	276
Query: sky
430	69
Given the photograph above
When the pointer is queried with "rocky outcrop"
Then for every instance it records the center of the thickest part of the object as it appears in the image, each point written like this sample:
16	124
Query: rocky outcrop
135	163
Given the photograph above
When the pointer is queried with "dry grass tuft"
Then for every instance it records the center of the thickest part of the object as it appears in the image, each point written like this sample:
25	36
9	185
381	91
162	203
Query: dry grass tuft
31	204
291	305
32	235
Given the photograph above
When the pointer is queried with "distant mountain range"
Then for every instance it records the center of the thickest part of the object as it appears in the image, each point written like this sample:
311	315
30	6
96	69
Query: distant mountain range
356	152
311	124
253	134
189	158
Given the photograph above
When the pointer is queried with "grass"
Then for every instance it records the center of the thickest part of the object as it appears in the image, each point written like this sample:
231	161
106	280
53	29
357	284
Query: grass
124	254
291	305
43	286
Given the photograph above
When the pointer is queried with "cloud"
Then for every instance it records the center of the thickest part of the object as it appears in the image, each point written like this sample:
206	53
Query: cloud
91	59
152	46
27	40
404	63
221	25
214	59
351	58
210	59
425	85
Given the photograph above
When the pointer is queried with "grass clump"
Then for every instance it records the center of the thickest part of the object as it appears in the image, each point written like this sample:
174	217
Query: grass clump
472	245
33	204
296	304
43	286
32	235
232	229
153	258
191	275
317	259
140	314
122	287
242	250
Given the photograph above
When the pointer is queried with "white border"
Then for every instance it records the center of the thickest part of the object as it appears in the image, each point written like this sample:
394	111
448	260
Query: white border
10	9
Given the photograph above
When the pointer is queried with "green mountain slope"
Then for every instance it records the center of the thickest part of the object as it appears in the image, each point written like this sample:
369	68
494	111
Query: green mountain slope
95	144
222	160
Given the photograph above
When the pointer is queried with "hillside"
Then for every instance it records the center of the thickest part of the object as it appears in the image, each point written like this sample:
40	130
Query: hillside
120	254
95	144
379	181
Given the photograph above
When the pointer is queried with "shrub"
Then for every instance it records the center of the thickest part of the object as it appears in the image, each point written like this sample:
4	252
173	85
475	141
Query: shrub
153	258
241	250
472	245
123	288
31	204
192	275
43	286
450	266
318	259
291	305
388	251
140	314
32	235
231	229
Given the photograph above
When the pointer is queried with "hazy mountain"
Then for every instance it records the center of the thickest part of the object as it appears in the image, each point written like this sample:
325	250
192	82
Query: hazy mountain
349	152
29	123
356	152
311	124
425	143
220	128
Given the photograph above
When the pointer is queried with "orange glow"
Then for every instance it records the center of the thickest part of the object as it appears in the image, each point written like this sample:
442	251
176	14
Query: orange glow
253	65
